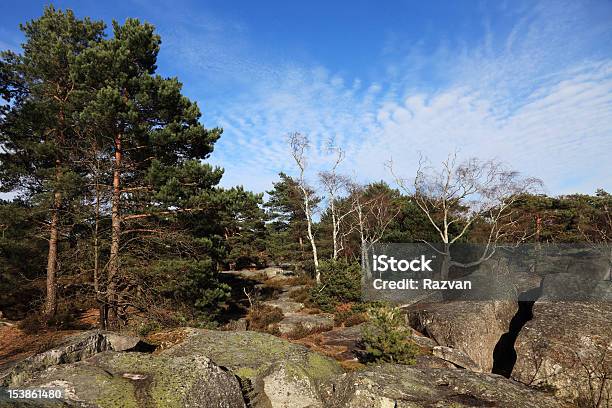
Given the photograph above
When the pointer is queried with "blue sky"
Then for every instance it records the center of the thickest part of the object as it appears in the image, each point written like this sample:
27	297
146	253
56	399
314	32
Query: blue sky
528	83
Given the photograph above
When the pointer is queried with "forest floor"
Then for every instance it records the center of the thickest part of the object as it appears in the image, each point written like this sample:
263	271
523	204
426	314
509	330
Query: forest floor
17	344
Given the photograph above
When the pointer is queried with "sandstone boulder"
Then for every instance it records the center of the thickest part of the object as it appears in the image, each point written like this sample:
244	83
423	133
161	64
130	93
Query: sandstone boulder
112	379
273	372
73	349
396	386
296	321
567	347
455	357
471	327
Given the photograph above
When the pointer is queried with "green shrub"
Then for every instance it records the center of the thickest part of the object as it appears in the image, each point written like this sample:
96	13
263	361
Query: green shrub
387	338
340	283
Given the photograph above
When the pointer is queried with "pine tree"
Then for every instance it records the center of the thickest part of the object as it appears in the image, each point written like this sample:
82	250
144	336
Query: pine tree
37	130
150	135
287	226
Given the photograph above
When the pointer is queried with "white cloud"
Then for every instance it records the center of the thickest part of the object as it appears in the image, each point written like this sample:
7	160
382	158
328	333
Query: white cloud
537	96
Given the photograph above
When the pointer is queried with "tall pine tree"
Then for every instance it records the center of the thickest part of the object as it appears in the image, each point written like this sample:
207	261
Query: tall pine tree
151	135
37	135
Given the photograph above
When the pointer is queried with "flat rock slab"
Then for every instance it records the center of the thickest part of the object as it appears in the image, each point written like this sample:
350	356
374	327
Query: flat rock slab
287	306
272	371
402	386
73	349
293	321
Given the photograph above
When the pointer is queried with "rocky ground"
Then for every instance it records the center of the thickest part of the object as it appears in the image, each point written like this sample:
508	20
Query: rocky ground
555	354
205	368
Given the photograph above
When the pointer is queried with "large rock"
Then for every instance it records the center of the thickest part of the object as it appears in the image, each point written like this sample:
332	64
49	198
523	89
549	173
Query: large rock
286	305
396	386
272	371
341	343
126	380
471	327
567	347
455	357
303	322
73	349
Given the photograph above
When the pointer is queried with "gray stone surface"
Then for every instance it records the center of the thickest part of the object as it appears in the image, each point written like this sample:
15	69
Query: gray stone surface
396	386
292	321
564	347
456	357
73	349
474	328
126	380
273	371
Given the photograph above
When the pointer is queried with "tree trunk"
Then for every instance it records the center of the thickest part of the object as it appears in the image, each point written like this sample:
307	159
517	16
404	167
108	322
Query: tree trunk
365	260
113	266
313	244
51	300
446	260
315	256
334	229
96	248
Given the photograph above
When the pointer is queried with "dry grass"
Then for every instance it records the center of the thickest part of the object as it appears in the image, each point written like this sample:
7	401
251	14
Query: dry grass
300	331
280	282
166	339
262	317
15	344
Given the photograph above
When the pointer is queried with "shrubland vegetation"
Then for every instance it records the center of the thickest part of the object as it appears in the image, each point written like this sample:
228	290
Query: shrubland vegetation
387	337
115	207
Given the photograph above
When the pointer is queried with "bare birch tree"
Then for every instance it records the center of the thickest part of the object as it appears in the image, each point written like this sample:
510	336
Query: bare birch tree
372	213
458	195
299	144
334	184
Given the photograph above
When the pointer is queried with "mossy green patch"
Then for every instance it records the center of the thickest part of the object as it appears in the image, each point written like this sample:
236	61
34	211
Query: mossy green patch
250	353
246	372
321	368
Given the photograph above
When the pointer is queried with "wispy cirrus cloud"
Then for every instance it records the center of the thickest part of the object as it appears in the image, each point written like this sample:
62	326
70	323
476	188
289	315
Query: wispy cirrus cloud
537	96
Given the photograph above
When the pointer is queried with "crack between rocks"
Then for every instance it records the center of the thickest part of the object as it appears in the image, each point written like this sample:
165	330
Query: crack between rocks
504	353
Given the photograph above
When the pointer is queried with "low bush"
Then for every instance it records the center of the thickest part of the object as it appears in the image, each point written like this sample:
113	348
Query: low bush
300	295
340	283
31	324
387	338
146	328
300	331
350	314
262	317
